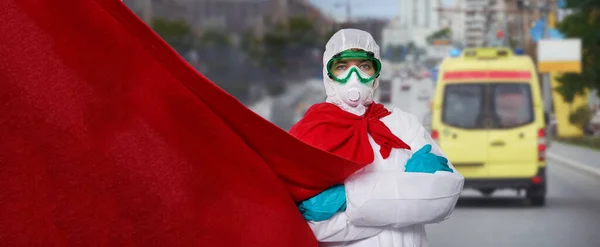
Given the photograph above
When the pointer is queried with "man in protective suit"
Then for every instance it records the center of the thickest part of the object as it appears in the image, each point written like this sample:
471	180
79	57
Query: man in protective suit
407	181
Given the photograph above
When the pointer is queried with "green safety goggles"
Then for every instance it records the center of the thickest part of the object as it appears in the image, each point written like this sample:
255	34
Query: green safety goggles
354	55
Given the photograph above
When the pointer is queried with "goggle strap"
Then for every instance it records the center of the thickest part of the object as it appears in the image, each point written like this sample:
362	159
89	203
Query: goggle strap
368	53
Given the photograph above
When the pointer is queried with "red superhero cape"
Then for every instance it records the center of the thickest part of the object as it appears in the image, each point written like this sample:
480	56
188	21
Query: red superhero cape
328	127
108	138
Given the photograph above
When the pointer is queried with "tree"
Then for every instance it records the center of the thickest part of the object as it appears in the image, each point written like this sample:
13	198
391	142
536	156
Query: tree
302	32
284	47
177	33
215	37
583	24
581	117
442	34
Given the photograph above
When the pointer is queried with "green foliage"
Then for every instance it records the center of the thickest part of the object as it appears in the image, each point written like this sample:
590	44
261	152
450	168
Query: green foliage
302	32
177	33
442	34
283	47
251	45
570	85
168	28
215	37
180	35
586	141
273	50
581	117
583	24
297	33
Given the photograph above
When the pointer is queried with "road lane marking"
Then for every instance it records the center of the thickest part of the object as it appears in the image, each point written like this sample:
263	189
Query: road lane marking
574	164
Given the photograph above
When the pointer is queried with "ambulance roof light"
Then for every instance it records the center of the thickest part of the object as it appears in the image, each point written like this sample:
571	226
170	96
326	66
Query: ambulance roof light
519	51
454	52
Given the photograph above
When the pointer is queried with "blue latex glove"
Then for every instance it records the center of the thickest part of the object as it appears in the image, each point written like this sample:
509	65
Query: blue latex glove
426	162
324	205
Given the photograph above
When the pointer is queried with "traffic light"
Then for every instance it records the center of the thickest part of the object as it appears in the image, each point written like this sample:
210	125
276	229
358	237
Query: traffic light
500	34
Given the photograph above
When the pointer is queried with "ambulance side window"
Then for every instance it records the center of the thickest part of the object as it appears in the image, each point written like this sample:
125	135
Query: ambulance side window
463	105
512	105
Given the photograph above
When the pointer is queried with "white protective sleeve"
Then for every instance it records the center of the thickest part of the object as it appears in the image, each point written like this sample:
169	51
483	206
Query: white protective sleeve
379	195
382	194
339	229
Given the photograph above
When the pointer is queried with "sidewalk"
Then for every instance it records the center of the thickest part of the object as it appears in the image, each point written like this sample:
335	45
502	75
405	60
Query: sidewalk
575	156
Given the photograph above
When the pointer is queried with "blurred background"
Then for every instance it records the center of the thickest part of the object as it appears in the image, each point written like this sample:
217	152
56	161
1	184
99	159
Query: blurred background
268	54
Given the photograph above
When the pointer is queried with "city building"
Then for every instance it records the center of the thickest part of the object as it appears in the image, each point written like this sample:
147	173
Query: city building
475	21
373	26
416	20
479	22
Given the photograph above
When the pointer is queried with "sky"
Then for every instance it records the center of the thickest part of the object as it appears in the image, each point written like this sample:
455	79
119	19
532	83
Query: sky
362	8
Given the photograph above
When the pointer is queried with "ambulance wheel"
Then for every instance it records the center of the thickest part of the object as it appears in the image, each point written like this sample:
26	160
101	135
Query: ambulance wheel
536	197
538	201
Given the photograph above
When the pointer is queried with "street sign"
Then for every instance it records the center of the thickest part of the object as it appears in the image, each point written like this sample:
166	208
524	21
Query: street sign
537	31
559	56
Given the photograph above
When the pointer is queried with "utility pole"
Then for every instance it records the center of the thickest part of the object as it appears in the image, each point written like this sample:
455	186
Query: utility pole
348	12
489	20
147	12
548	11
348	8
521	28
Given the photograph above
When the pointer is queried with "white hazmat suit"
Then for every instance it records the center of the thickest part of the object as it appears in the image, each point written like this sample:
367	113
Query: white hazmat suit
386	206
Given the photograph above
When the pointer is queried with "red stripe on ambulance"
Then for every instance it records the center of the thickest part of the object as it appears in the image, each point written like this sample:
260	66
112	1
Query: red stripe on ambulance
474	75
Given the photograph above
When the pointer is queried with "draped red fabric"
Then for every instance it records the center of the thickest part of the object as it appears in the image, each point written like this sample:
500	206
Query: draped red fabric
109	138
332	129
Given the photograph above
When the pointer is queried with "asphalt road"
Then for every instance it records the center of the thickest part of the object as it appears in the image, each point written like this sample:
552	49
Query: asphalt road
571	217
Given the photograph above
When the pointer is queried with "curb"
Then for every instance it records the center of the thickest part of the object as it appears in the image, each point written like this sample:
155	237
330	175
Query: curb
574	164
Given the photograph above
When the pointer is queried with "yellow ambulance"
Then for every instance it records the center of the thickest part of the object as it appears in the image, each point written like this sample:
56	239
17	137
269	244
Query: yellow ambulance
488	117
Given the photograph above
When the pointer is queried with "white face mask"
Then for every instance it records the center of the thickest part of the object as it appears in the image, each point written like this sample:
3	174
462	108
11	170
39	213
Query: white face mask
353	96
